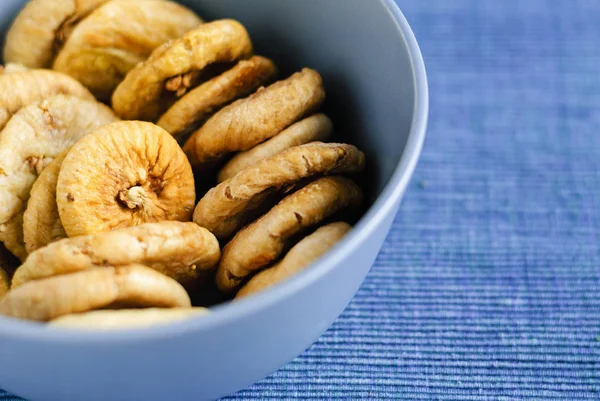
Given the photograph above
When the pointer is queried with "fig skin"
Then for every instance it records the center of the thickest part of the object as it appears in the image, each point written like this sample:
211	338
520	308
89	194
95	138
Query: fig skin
247	122
302	255
124	174
134	285
41	221
153	86
41	28
20	89
316	128
122	319
185	252
116	37
261	243
206	99
224	209
30	141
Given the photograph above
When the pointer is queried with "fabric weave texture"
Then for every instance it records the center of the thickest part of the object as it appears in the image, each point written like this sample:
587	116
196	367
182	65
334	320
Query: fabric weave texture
488	286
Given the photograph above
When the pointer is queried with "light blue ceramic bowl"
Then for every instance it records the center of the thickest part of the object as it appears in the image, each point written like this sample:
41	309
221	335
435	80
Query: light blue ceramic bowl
377	96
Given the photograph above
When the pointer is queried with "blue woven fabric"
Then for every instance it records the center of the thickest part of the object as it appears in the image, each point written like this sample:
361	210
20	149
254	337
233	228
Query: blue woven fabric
488	287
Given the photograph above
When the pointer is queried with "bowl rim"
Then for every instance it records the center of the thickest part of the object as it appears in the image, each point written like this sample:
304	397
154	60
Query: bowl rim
230	311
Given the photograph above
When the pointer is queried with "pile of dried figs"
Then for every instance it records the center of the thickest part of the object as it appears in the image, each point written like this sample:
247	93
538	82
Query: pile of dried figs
115	117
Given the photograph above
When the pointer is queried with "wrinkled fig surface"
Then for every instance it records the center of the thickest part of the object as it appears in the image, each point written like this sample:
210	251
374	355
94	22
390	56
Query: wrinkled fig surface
4	283
132	285
262	242
183	251
117	36
300	256
223	208
30	141
316	128
20	89
124	174
250	121
41	29
201	102
123	319
154	85
41	222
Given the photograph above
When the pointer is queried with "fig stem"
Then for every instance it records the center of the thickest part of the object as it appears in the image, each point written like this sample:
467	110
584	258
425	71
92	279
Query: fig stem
133	197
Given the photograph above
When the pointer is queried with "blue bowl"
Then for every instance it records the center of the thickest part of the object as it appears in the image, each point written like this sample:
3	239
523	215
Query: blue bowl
377	97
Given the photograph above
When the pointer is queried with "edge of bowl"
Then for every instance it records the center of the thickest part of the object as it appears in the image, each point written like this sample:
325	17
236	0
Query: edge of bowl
222	314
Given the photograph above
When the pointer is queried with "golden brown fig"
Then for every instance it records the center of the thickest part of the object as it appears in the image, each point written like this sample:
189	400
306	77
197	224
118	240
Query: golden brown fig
299	257
132	285
41	222
124	174
20	89
28	143
250	121
154	85
12	68
316	128
261	243
41	28
123	319
183	251
117	36
200	103
222	210
4	283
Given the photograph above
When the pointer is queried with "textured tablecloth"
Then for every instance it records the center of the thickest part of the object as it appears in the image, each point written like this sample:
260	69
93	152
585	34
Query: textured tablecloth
488	287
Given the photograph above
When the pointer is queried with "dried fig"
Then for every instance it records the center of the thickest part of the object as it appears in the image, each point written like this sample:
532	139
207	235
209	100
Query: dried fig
314	128
124	174
41	222
30	141
183	251
132	285
117	36
250	121
200	103
20	89
122	319
41	28
223	208
299	257
12	68
4	283
172	68
262	242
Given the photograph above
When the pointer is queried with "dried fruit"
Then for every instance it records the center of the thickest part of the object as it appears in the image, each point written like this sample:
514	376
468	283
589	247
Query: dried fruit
174	67
12	68
4	283
299	257
262	242
250	121
41	28
124	174
20	89
30	141
201	102
314	128
183	251
41	222
122	319
223	209
132	285
117	36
